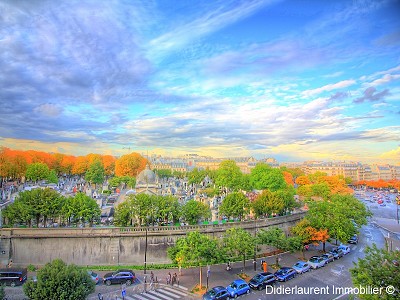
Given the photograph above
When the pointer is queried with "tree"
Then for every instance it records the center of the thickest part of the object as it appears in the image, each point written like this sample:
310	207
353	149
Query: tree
193	211
37	171
130	165
277	238
378	269
81	208
196	176
228	175
337	215
235	205
264	177
195	249
302	180
238	243
56	280
266	204
95	173
52	177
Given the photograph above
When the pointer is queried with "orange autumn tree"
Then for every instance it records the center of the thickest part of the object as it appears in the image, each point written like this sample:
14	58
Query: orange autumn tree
303	180
109	164
308	234
130	165
288	178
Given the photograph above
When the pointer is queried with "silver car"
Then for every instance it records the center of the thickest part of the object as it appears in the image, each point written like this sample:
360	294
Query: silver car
316	262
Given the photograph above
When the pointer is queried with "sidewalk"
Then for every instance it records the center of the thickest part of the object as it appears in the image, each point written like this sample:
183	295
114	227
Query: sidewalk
220	276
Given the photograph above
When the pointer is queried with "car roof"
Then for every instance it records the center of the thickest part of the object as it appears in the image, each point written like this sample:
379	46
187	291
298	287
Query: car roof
265	273
218	288
238	281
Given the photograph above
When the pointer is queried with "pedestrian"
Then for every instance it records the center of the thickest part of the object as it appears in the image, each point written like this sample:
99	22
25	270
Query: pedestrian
255	264
174	278
169	278
151	276
100	296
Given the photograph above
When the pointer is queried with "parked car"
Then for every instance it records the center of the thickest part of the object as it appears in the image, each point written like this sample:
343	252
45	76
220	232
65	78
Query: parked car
302	267
345	249
261	280
238	287
337	253
316	262
13	276
120	276
94	276
285	274
328	257
216	293
353	239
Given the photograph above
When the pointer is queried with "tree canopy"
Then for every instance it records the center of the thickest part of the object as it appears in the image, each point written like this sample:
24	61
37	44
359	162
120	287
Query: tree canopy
57	280
378	269
264	177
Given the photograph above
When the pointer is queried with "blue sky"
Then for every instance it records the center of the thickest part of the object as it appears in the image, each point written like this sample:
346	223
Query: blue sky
295	80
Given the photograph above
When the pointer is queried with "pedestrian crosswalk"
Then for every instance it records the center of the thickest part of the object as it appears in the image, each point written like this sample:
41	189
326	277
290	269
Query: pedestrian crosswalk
165	293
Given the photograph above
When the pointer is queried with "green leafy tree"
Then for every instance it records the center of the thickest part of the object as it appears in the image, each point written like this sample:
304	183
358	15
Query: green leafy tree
321	190
164	173
37	171
196	176
195	249
228	175
286	197
193	211
378	269
235	205
95	174
81	209
267	203
57	280
336	216
277	238
52	177
264	177
238	243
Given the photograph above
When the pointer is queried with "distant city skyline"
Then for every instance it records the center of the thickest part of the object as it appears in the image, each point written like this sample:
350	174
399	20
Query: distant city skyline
296	81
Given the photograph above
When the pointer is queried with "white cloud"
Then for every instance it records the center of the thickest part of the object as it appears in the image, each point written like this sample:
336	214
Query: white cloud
329	87
385	79
211	21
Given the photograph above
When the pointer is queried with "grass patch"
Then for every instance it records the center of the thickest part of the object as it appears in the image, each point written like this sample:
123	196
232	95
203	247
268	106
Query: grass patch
199	290
244	276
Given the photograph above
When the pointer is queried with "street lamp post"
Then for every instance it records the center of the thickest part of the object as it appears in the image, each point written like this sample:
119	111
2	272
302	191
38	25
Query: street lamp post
145	252
255	244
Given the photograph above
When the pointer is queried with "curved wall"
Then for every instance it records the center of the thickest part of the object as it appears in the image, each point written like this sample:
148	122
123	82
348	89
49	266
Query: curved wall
110	246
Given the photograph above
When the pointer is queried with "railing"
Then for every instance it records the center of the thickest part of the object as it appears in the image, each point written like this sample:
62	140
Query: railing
139	231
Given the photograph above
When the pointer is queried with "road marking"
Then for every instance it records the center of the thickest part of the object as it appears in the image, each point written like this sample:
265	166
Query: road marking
175	291
361	249
354	249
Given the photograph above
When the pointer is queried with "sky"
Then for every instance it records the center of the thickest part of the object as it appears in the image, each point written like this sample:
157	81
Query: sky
294	80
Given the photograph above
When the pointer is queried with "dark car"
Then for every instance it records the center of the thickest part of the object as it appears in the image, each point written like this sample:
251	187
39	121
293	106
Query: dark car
353	239
337	253
120	276
216	293
285	274
261	280
13	276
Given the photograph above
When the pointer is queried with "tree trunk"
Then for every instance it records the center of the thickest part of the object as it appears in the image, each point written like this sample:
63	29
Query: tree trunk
323	246
201	272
